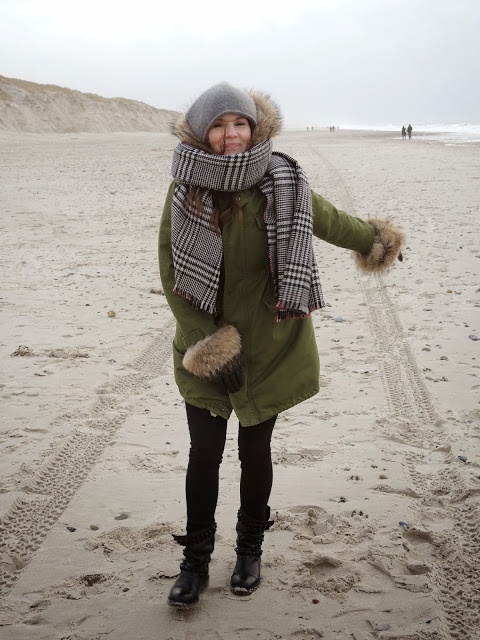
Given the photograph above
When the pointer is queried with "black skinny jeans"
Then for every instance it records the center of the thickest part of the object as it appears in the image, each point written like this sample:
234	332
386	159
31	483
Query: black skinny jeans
207	442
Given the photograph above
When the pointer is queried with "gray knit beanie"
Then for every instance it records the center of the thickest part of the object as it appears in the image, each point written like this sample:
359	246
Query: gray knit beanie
215	102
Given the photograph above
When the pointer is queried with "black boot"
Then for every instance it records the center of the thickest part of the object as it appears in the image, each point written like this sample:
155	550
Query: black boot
193	576
246	575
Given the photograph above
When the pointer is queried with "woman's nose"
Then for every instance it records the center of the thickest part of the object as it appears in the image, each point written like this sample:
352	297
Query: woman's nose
230	131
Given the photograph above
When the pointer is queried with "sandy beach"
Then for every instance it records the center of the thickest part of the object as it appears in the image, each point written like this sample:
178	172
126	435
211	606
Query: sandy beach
377	478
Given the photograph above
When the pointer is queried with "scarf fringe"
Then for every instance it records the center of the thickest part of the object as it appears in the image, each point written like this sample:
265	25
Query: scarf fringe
294	314
198	305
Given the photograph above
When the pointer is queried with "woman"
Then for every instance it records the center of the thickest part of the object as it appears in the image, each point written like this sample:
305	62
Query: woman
239	273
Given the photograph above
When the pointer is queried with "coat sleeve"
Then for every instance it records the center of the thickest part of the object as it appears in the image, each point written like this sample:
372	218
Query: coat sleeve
192	325
376	243
340	228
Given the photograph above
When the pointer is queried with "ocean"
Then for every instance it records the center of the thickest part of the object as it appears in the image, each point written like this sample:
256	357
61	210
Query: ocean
449	133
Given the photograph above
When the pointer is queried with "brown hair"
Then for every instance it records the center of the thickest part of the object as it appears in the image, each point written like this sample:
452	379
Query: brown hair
218	218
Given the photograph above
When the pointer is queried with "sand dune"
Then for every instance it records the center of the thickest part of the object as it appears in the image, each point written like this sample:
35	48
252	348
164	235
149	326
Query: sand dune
44	108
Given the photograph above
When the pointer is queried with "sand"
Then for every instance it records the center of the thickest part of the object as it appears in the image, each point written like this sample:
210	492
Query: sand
377	478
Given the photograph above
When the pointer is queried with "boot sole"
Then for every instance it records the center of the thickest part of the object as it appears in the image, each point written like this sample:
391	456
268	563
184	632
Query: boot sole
182	605
239	591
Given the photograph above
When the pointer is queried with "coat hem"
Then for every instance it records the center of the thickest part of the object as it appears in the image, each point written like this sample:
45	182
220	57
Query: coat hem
261	416
216	410
256	417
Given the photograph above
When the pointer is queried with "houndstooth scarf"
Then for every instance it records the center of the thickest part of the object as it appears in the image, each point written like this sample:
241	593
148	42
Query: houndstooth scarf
198	250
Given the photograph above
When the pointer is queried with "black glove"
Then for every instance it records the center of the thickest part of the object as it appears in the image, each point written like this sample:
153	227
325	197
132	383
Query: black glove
232	376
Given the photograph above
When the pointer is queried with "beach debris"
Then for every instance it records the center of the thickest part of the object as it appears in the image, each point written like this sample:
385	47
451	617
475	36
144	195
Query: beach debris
94	527
111	314
157	291
473	337
405	525
122	516
342	499
462	458
443	358
338	319
22	351
71	529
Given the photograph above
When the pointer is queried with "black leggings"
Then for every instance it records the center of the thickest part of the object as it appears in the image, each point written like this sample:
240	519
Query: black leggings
207	442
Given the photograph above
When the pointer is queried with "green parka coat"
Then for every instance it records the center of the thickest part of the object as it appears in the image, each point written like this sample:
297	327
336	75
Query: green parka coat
279	360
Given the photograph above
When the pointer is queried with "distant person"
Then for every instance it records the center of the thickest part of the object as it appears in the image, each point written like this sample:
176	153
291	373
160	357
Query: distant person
240	276
404	133
409	131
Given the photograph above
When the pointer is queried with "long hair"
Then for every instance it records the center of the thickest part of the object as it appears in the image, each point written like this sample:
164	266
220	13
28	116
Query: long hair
220	215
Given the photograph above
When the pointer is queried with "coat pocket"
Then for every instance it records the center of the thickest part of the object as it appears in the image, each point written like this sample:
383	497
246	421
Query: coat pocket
268	296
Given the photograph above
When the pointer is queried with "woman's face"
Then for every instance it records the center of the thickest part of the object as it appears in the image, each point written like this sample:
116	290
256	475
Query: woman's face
230	134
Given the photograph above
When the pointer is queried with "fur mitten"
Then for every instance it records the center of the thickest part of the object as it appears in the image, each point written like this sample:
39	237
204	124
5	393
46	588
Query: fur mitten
215	356
386	247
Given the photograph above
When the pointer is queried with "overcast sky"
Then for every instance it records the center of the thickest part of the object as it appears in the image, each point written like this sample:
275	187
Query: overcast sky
324	61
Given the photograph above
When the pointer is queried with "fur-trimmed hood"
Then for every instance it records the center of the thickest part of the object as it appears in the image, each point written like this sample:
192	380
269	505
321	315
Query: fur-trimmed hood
269	123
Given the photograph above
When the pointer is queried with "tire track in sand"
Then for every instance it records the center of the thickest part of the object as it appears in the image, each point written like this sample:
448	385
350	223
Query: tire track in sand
48	492
446	494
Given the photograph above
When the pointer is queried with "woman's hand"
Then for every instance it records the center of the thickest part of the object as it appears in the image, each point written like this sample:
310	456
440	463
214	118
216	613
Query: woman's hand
232	377
216	357
386	248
